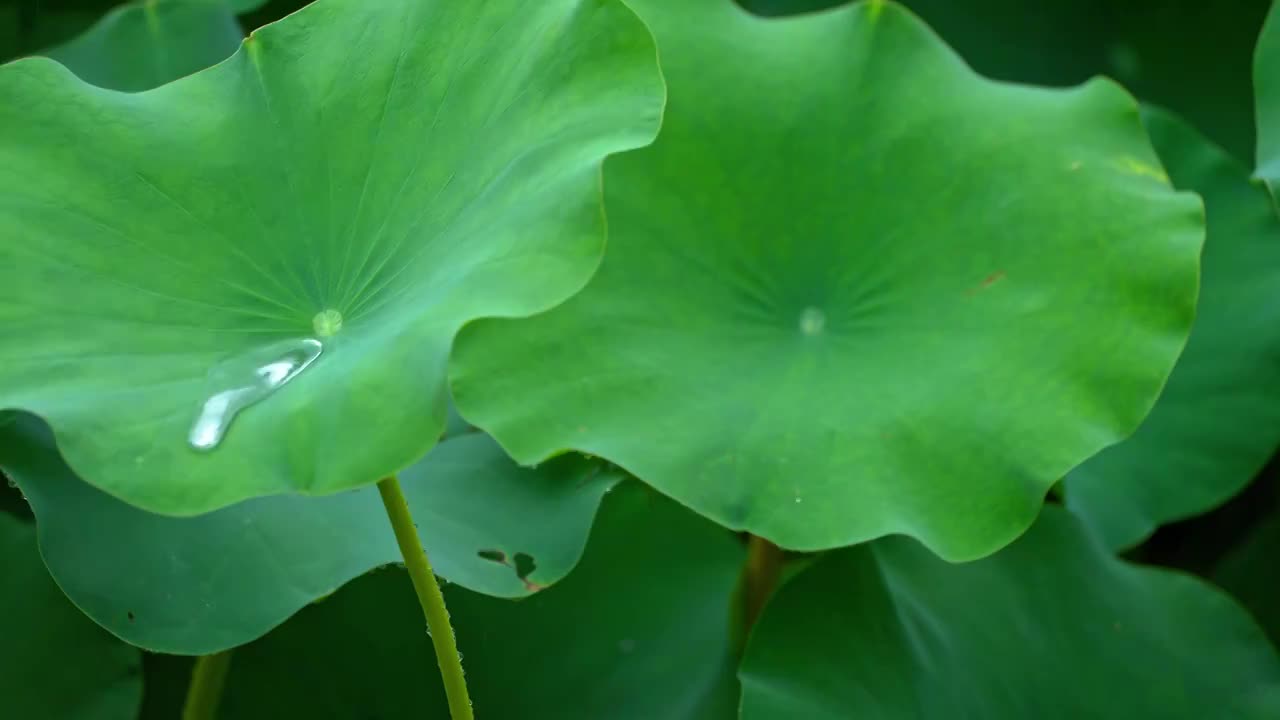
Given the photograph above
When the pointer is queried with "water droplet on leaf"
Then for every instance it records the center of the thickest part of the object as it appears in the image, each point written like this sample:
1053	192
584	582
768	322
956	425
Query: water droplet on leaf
245	379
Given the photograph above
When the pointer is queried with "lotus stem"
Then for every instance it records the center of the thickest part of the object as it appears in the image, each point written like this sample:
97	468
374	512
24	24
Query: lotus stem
430	597
207	680
760	576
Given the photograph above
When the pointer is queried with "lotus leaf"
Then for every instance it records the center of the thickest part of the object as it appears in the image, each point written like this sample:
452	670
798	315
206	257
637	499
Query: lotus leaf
54	663
639	631
271	256
1218	420
203	584
1266	82
890	296
140	46
1050	627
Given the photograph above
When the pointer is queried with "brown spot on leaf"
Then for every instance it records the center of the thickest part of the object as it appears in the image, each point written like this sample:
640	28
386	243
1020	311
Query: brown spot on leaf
987	282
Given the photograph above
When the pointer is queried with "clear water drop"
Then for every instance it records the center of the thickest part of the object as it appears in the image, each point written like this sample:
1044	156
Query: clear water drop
245	379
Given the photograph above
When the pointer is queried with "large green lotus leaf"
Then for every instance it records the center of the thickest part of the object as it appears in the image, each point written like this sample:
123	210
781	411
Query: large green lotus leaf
1051	627
1248	572
1189	55
202	584
1266	82
889	297
639	631
357	182
54	663
143	45
1218	420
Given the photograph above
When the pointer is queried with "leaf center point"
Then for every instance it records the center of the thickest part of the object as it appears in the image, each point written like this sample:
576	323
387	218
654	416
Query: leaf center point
327	323
812	321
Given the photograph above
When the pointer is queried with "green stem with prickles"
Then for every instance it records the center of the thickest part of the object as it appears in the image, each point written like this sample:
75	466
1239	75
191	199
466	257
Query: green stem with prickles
429	595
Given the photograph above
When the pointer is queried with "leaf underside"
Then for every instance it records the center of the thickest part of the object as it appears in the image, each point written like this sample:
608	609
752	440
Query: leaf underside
208	583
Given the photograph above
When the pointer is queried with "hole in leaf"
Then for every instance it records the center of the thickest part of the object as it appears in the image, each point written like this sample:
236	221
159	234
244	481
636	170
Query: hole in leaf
131	616
524	565
494	556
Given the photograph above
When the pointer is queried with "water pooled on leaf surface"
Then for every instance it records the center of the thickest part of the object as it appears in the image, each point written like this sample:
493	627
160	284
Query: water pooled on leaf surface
245	379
